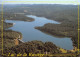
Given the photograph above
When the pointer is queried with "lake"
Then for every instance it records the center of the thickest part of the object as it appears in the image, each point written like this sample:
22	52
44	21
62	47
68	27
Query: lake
30	33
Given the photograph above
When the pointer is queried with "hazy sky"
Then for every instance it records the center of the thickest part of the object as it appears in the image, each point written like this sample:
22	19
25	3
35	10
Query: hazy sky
62	2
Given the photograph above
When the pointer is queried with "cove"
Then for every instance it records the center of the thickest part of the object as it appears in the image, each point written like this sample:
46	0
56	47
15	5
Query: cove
30	33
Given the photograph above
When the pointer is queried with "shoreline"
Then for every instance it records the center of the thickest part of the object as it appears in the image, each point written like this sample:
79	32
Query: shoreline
60	49
75	49
49	33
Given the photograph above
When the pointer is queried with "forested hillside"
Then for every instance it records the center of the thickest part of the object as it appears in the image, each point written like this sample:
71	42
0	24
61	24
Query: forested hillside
67	15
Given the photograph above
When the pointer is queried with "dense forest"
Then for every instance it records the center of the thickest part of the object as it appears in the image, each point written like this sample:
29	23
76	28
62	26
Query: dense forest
66	14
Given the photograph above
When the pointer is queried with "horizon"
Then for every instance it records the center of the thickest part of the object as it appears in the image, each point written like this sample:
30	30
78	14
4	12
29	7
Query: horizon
41	4
64	2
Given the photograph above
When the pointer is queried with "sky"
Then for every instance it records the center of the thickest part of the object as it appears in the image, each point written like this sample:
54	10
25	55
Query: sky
74	2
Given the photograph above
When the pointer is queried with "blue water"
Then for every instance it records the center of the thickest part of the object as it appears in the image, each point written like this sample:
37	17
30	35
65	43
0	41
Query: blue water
30	33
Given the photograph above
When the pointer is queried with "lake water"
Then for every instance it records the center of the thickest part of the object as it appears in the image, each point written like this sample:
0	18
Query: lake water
30	33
